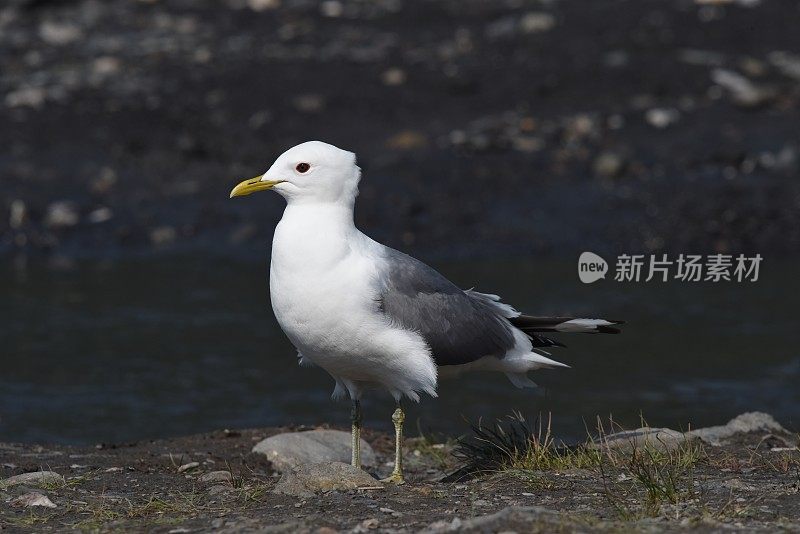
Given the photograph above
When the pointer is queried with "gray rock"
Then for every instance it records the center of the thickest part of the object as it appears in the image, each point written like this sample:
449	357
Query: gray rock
536	22
662	117
741	424
744	92
315	446
33	498
26	96
527	143
37	478
100	215
394	77
188	466
219	489
659	438
788	64
331	9
106	66
217	476
368	524
309	479
608	164
17	214
59	33
309	103
263	5
61	214
163	235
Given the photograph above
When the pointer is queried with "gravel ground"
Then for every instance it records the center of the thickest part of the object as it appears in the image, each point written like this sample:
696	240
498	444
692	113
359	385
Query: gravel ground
482	127
212	482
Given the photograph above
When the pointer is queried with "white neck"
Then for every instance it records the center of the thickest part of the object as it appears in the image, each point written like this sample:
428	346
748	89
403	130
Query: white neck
322	216
313	236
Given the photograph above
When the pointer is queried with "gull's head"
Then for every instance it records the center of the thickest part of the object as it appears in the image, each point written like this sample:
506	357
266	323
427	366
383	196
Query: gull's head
312	172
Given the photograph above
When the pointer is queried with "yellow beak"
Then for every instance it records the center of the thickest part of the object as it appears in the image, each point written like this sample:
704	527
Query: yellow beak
252	185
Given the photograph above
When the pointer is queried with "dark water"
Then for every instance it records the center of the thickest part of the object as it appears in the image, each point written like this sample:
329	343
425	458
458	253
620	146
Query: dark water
168	347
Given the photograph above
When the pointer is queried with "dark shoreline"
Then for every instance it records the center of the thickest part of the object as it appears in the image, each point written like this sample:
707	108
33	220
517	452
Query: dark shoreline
482	130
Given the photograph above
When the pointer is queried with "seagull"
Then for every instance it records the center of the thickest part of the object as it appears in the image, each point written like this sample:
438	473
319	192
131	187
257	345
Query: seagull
374	317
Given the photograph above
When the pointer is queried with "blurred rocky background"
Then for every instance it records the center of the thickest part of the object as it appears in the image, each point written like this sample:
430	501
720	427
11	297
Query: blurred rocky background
511	127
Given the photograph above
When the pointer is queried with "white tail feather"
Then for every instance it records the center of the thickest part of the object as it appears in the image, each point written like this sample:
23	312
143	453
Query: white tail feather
543	361
582	325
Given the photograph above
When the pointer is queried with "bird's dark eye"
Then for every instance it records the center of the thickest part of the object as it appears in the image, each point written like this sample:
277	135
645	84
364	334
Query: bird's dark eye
302	167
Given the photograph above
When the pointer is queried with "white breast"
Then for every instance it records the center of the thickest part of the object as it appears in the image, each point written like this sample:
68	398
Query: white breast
323	290
315	276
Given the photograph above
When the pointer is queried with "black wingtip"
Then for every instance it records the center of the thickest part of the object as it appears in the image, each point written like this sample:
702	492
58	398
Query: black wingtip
541	341
609	329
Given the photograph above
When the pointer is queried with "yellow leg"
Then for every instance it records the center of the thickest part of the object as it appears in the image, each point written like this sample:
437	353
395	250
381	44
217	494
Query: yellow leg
355	418
398	417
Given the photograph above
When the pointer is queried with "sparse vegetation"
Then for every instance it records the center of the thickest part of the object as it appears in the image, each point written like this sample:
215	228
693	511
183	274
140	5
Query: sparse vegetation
638	478
437	448
651	477
511	444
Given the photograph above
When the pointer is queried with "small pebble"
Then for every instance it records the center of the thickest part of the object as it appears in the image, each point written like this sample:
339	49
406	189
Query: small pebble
186	467
59	33
33	499
370	523
100	215
61	214
393	77
608	165
218	489
217	476
17	214
662	117
33	97
535	22
331	8
263	5
309	103
163	235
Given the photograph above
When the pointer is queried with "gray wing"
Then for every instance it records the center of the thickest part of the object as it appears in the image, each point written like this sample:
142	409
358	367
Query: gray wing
459	326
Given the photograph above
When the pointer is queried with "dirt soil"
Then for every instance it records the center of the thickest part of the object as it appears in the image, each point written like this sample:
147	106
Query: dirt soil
750	484
517	128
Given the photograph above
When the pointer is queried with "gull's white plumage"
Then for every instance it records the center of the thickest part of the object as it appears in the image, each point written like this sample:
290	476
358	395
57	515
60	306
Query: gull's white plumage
323	278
